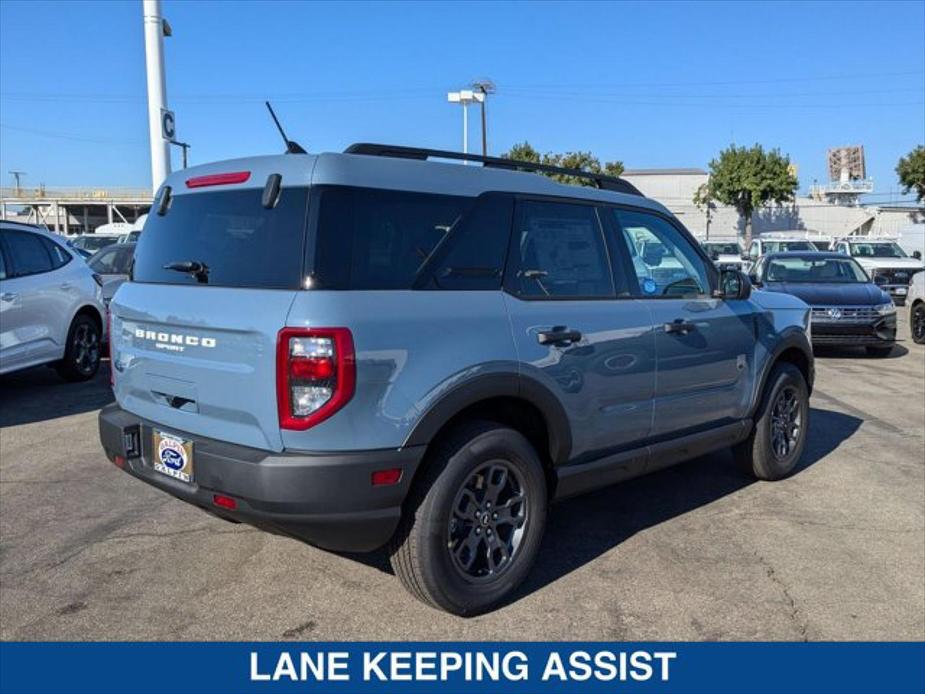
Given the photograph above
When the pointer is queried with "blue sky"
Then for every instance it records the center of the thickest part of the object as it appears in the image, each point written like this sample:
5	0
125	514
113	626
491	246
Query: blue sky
654	85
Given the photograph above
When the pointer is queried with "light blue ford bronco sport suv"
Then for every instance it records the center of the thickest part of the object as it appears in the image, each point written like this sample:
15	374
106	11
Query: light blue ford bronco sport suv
371	348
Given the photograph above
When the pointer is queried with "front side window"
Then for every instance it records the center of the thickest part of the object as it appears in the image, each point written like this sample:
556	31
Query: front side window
28	253
666	263
557	251
754	250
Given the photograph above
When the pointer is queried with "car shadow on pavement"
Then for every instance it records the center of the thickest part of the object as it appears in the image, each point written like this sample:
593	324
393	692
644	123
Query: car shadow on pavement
39	394
581	529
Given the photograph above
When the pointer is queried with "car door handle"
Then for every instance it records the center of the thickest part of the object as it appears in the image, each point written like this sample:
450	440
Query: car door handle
680	326
558	335
66	285
8	296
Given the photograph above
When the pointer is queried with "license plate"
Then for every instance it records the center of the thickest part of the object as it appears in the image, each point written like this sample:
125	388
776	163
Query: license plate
173	456
901	291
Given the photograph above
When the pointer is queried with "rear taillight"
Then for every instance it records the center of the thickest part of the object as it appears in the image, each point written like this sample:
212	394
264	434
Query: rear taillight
315	374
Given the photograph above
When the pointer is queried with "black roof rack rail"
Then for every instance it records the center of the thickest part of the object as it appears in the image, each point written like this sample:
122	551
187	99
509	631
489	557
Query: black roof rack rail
602	181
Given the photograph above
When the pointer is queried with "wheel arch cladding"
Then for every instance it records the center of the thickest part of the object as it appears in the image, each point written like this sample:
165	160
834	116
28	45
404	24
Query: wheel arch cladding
511	399
794	348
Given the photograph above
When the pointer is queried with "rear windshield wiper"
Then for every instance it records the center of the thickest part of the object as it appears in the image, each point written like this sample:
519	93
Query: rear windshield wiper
196	268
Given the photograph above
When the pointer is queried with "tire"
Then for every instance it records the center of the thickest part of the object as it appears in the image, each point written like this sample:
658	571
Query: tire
83	350
432	550
762	453
917	323
878	351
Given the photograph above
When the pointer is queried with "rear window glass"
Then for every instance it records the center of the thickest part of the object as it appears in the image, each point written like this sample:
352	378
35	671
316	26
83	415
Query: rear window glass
379	239
225	239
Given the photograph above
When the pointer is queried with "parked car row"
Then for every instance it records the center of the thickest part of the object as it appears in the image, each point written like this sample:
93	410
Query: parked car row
51	307
854	289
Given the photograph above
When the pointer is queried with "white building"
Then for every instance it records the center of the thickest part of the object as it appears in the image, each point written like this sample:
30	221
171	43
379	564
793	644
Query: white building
675	188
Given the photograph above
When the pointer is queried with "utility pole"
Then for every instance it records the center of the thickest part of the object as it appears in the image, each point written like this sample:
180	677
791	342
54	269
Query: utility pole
17	176
155	29
484	87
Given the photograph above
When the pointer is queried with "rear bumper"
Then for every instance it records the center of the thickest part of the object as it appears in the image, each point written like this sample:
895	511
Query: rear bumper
326	499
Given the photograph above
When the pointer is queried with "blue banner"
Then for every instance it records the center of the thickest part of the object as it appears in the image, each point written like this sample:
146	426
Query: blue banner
463	668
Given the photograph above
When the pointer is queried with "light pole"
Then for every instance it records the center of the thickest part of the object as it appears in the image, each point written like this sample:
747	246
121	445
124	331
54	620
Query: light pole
484	88
155	28
464	98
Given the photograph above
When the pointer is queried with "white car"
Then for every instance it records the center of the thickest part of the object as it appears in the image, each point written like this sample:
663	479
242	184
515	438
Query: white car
726	255
885	262
916	299
51	309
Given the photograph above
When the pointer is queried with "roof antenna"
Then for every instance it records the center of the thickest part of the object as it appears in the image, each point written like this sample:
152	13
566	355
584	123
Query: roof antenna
292	147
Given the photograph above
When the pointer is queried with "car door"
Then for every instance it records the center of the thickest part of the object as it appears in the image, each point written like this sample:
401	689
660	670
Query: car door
705	346
576	330
36	301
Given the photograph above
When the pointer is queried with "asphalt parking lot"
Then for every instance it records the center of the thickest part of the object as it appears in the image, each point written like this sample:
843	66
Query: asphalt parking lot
836	552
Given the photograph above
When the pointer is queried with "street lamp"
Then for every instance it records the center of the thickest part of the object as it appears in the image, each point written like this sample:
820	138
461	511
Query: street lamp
465	97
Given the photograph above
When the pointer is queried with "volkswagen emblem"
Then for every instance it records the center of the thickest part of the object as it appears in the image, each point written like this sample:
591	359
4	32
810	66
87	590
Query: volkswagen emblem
833	313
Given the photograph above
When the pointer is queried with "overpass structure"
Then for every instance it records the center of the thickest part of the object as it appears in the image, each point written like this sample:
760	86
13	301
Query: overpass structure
73	210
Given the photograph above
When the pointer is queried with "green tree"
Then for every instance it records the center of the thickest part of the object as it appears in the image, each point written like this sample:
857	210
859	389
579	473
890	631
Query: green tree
584	161
748	178
911	172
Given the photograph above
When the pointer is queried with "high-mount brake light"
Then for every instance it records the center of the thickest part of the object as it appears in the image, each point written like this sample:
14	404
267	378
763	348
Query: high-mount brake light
315	374
222	179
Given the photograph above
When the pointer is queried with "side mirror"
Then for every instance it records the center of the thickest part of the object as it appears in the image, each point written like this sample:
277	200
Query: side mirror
917	255
746	257
734	284
753	278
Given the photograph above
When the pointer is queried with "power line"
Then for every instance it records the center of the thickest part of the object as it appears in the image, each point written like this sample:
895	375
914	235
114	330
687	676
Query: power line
68	136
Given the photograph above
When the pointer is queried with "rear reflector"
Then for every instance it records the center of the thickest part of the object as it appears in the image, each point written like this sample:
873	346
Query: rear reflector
222	179
119	461
224	501
384	478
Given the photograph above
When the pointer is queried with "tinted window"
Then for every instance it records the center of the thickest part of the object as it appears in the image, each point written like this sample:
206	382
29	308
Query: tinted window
238	241
28	253
2	266
378	239
473	257
665	261
59	256
557	250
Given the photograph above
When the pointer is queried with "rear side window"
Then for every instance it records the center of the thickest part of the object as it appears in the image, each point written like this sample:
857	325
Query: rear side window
59	257
558	251
369	238
229	239
28	253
